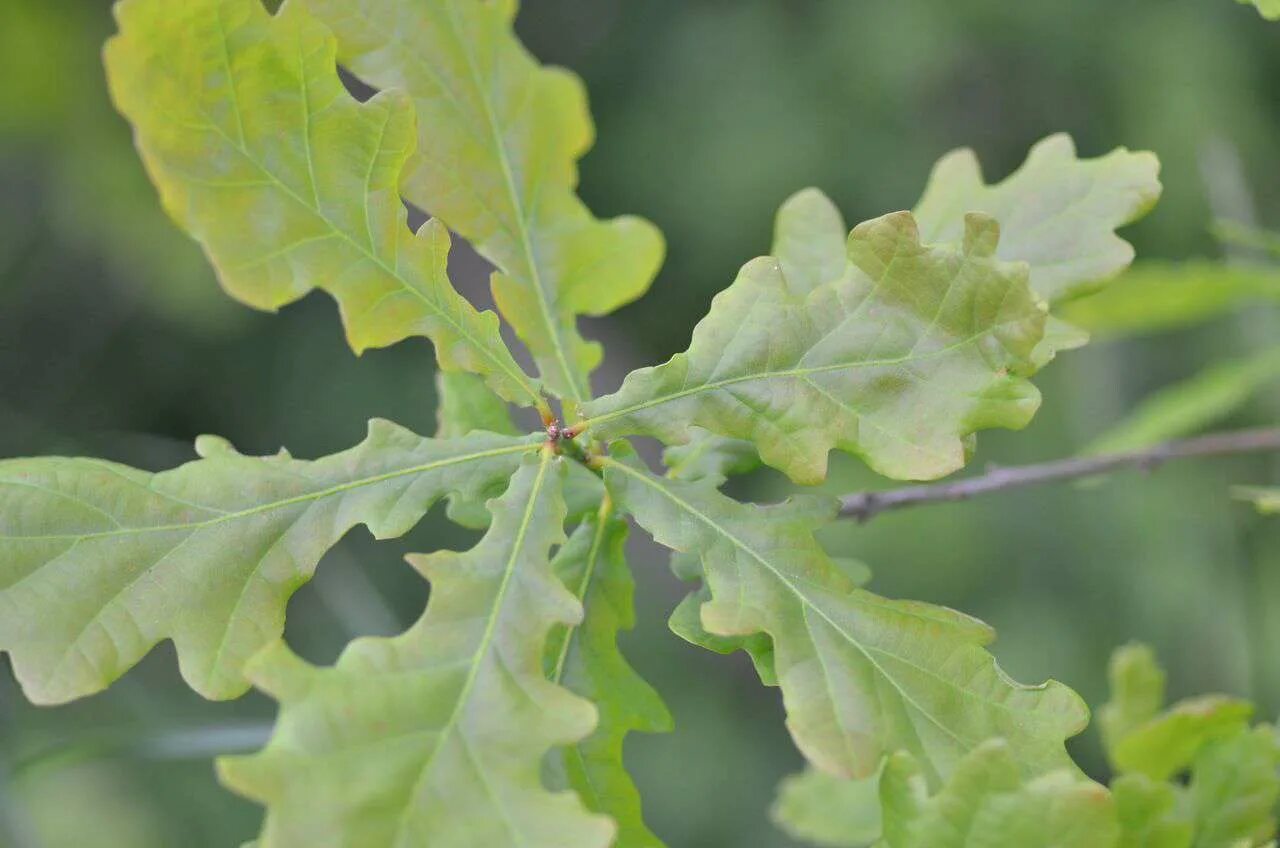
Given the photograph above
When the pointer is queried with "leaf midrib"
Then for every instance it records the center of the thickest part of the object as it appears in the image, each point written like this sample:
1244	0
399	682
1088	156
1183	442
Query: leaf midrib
508	176
791	372
482	649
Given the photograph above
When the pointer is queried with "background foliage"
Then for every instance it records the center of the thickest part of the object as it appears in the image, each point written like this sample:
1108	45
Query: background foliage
115	341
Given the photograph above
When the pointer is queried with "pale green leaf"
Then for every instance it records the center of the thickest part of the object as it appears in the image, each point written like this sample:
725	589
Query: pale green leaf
987	803
1159	296
1149	814
809	236
1057	810
499	137
1167	744
686	622
1266	500
1234	784
1234	789
464	405
946	820
707	456
1137	693
686	619
1189	406
1059	336
809	244
861	676
913	349
99	562
1270	9
437	736
1057	213
815	807
287	182
904	794
586	659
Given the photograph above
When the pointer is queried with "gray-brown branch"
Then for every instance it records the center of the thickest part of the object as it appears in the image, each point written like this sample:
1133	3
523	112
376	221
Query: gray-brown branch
867	505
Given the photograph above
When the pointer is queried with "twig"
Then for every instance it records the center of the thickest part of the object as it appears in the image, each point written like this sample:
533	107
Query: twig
867	505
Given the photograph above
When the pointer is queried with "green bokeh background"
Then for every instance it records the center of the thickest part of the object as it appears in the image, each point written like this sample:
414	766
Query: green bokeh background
115	341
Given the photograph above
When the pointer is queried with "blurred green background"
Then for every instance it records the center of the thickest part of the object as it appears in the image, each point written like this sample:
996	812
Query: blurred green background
115	341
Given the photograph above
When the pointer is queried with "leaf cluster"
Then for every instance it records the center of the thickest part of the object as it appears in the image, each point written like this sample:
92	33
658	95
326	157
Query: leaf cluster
1191	775
499	717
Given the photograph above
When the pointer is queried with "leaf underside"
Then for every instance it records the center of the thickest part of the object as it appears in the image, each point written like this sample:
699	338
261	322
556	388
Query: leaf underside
861	676
437	736
286	181
499	137
99	562
707	456
586	660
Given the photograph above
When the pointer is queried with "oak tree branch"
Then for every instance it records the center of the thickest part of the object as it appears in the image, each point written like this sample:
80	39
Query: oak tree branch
864	506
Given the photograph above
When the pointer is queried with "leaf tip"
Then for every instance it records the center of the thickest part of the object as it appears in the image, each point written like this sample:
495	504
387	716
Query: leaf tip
208	447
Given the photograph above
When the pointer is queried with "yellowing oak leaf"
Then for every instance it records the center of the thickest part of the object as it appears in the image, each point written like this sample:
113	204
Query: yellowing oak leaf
499	137
286	181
